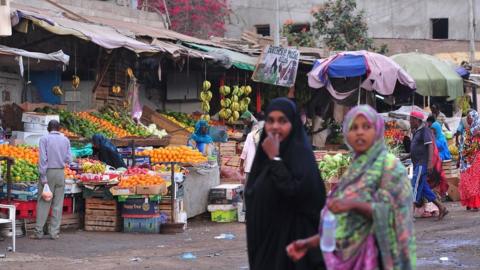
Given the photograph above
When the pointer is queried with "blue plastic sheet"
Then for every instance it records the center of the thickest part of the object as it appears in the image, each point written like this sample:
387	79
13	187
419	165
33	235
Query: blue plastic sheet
347	66
44	81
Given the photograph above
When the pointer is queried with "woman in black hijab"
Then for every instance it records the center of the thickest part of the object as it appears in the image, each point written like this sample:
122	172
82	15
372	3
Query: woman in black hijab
284	192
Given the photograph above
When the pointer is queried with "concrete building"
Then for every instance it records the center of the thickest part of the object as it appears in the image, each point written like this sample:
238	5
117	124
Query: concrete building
430	26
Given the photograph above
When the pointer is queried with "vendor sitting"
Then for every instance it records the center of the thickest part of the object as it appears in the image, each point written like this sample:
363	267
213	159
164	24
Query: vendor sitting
107	152
200	138
249	121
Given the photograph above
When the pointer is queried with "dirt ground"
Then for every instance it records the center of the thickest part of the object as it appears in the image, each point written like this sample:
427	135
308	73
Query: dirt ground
455	238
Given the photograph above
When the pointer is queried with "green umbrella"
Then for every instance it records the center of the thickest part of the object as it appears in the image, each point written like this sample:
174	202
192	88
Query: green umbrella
433	76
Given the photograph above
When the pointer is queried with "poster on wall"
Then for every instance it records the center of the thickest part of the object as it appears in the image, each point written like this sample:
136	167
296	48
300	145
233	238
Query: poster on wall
277	66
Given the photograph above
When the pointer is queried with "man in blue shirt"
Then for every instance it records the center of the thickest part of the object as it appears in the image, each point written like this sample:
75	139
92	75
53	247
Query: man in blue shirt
421	153
55	153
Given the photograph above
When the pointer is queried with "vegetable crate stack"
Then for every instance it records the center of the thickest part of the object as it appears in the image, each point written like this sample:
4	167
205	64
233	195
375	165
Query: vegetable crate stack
224	202
453	177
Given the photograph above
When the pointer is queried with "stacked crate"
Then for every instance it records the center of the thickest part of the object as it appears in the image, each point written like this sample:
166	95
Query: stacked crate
141	213
102	215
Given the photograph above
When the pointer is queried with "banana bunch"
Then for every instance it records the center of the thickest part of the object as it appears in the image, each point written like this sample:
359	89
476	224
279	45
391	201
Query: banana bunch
116	89
205	117
57	91
75	82
205	96
225	90
234	103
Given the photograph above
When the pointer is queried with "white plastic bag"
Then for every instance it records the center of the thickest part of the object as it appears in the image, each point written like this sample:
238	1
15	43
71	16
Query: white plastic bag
47	194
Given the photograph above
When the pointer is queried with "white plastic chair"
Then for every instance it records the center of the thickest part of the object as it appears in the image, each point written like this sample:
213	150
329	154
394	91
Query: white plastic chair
11	219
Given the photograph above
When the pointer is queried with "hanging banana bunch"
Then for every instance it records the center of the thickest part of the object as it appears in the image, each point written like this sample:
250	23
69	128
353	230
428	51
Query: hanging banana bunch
75	82
206	96
116	89
57	91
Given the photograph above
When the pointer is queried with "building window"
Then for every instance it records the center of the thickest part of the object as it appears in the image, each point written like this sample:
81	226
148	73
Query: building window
263	29
439	28
299	27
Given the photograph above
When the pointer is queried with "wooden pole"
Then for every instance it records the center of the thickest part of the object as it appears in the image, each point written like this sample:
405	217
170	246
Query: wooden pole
471	18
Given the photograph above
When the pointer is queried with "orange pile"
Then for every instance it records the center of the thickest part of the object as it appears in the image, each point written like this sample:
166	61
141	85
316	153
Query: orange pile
67	132
183	154
30	154
118	132
70	174
141	180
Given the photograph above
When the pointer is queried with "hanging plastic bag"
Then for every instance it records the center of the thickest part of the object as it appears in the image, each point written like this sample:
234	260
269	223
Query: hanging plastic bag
47	194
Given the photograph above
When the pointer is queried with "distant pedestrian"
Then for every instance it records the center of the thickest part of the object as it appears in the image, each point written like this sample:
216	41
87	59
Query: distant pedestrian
284	192
372	204
440	116
422	151
54	155
469	186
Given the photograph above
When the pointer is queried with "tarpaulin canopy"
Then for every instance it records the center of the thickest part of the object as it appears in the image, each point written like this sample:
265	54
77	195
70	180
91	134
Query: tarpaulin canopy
237	59
103	36
374	72
58	56
433	76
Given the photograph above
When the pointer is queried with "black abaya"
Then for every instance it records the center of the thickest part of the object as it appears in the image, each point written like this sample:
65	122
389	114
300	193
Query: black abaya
284	200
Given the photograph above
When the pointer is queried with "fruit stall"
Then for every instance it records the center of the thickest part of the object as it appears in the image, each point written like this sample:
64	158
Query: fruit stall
174	181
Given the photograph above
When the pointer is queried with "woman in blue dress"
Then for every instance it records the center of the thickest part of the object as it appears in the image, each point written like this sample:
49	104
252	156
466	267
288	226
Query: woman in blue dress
441	141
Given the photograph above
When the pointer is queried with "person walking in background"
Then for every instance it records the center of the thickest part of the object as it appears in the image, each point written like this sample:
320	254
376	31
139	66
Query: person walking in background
107	152
440	141
440	116
250	148
469	186
422	155
55	153
372	204
460	139
284	192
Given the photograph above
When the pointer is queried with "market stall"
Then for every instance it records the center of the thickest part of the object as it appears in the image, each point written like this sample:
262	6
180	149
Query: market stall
173	180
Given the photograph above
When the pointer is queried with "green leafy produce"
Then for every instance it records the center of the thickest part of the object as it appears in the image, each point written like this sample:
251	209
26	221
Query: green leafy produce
121	119
332	166
182	117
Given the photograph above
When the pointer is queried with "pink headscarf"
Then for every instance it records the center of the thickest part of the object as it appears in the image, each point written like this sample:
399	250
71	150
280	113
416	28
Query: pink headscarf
371	115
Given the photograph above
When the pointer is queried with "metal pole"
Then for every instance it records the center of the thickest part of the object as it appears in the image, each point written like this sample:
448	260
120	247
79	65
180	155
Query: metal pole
472	30
474	97
277	24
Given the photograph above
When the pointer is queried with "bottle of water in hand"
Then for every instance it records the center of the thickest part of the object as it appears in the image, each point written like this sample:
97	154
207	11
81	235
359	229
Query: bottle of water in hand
327	239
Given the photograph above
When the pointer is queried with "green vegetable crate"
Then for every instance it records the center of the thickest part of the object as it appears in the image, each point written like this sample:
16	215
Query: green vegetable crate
223	213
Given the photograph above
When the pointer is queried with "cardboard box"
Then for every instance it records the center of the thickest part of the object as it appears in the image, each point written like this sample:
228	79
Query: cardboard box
453	193
140	208
225	194
118	191
39	118
152	190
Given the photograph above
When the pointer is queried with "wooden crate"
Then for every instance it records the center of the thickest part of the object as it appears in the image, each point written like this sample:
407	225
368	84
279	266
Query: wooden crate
102	215
69	222
179	135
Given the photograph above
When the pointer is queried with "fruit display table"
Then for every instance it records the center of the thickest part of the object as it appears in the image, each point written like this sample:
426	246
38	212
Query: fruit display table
197	185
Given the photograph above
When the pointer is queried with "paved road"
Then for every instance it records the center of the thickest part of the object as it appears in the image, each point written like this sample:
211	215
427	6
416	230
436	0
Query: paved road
456	238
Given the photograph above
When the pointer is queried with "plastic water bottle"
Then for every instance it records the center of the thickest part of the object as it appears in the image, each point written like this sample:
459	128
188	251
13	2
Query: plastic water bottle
327	240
